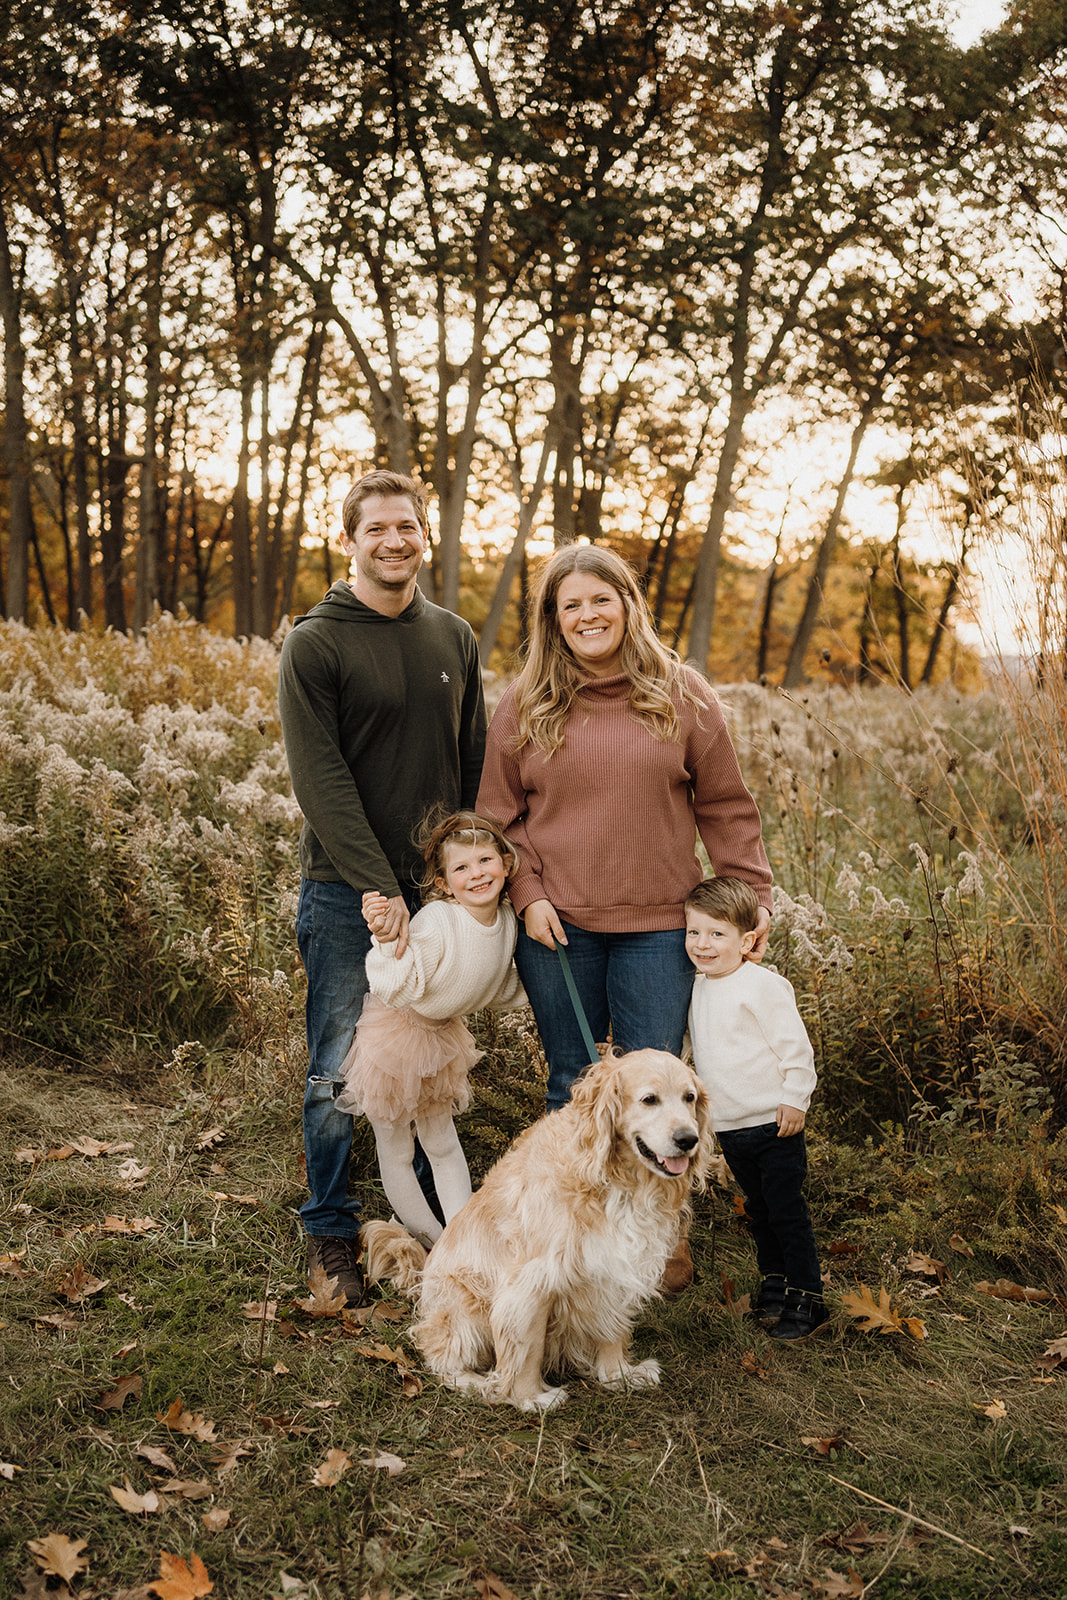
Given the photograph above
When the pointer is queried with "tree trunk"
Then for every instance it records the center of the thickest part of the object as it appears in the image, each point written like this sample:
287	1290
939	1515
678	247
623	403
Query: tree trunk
900	593
146	590
16	437
952	589
515	558
794	669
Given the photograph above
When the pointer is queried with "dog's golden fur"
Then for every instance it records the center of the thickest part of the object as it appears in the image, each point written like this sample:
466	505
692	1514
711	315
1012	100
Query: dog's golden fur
547	1265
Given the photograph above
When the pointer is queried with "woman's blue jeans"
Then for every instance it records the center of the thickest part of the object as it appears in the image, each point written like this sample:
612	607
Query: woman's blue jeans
638	985
334	942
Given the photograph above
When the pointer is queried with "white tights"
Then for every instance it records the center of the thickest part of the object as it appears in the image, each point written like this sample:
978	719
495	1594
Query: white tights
396	1152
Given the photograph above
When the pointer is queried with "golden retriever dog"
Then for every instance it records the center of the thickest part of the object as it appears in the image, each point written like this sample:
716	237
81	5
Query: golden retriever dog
547	1266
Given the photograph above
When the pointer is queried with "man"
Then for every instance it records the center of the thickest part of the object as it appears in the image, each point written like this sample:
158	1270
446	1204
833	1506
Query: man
382	713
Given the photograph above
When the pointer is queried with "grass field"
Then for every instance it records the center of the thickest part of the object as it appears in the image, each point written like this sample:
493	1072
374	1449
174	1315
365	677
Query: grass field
864	1462
163	1432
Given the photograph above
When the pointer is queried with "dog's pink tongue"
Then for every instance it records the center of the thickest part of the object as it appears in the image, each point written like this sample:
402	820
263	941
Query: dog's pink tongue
676	1165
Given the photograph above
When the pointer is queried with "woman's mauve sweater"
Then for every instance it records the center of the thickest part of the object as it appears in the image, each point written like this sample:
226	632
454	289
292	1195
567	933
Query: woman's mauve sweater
606	826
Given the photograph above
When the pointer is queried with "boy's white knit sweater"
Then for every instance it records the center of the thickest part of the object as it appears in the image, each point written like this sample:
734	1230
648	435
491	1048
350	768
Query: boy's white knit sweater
453	964
750	1047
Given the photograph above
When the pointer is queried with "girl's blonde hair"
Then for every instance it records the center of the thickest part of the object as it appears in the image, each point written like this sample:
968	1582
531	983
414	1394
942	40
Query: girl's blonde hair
550	679
467	828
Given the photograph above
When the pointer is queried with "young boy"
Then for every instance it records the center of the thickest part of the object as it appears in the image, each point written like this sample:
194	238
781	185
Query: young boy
752	1052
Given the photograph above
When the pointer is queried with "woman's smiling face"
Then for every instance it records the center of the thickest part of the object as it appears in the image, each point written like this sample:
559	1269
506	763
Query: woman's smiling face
592	620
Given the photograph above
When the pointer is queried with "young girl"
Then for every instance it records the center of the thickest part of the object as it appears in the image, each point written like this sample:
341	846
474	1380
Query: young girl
412	1051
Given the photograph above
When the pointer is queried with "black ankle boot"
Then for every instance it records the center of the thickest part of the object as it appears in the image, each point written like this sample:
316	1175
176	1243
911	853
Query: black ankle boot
770	1302
802	1316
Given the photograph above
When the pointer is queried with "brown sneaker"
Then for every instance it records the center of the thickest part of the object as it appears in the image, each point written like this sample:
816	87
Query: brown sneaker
338	1259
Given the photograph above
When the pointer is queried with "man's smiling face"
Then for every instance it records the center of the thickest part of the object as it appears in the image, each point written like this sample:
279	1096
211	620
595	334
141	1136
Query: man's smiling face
388	544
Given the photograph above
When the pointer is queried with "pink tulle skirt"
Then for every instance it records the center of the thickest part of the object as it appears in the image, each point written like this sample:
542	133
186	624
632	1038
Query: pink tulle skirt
402	1065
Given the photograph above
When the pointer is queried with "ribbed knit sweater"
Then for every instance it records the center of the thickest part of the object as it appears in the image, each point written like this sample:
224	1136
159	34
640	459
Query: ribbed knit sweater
750	1047
453	964
606	826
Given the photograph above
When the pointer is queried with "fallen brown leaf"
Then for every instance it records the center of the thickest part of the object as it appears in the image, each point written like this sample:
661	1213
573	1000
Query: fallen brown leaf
179	1580
217	1518
880	1316
825	1447
1004	1289
8	1470
958	1243
78	1284
996	1410
736	1305
839	1584
331	1470
115	1398
258	1311
384	1462
60	1320
1054	1354
136	1504
752	1366
210	1138
135	1225
924	1266
325	1299
410	1384
157	1458
98	1147
59	1556
192	1423
842	1247
132	1176
389	1311
11	1265
493	1588
189	1488
227	1458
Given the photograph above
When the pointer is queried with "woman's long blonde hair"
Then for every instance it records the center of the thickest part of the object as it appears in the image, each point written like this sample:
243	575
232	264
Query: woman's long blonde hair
550	678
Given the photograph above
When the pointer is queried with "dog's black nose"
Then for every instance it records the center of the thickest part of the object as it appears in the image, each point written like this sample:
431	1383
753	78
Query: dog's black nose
684	1138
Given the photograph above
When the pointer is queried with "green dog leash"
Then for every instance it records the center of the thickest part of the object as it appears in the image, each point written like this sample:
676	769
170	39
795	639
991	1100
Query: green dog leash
572	990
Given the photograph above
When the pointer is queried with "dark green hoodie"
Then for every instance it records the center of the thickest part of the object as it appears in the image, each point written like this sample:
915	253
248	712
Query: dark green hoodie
383	717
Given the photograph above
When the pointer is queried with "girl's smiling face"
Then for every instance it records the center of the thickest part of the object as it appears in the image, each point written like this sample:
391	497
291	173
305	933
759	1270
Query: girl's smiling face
592	620
474	877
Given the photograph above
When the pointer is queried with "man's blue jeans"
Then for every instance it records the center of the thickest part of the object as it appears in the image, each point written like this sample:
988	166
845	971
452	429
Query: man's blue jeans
334	942
771	1173
637	984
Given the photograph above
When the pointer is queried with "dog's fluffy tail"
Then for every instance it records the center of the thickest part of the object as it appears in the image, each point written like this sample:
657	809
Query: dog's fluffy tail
391	1253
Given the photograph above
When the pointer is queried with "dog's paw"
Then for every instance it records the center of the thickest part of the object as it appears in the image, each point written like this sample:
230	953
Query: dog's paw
544	1400
645	1375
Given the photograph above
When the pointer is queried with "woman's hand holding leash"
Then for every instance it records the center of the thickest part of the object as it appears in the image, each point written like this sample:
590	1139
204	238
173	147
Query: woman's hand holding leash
543	924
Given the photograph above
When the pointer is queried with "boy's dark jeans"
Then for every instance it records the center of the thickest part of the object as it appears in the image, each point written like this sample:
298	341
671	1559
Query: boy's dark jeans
771	1172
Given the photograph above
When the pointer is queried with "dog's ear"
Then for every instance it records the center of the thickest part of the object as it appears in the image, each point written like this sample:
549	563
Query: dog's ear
597	1096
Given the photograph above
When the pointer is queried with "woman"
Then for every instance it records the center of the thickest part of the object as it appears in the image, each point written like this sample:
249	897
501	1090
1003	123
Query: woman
605	758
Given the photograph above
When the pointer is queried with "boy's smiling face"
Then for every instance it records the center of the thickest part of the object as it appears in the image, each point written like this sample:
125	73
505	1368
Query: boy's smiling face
715	948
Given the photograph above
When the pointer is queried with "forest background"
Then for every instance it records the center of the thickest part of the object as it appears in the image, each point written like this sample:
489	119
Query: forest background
694	280
674	275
